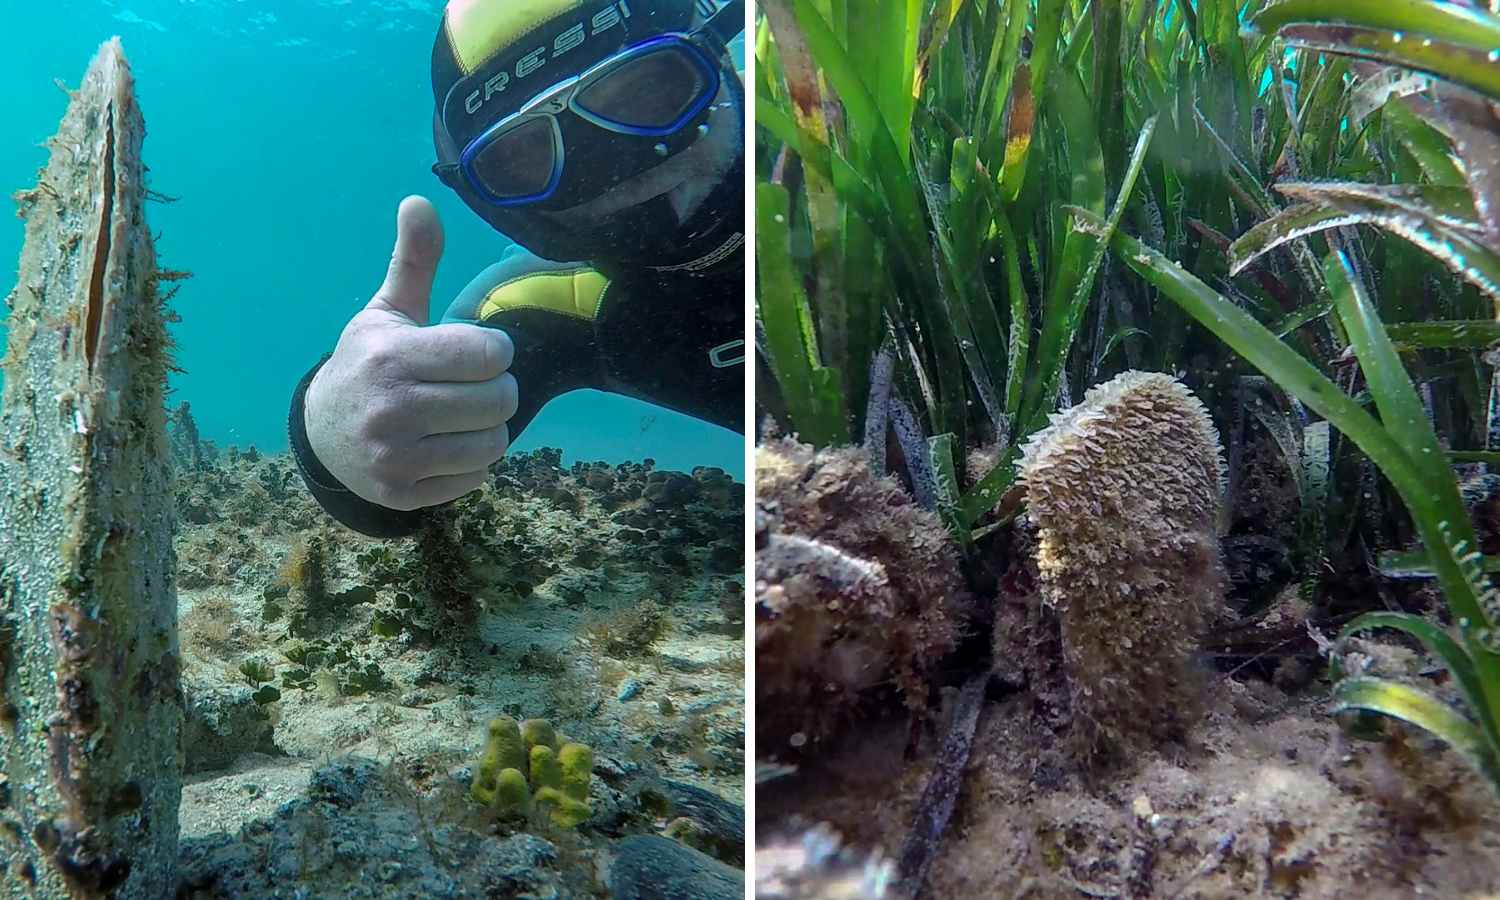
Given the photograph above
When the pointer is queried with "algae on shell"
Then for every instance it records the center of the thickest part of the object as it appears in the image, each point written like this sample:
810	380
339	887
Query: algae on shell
88	606
1124	489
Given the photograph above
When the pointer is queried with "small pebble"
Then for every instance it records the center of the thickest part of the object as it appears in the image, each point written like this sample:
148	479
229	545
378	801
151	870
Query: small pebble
286	867
630	690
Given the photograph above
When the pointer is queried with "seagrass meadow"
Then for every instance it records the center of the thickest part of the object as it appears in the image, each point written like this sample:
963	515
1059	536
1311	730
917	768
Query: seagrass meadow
1126	501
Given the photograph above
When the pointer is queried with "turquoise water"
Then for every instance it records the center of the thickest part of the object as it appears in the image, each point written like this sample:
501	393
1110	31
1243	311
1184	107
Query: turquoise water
290	130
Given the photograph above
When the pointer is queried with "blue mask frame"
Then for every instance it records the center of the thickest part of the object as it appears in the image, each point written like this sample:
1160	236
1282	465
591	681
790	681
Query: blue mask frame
562	98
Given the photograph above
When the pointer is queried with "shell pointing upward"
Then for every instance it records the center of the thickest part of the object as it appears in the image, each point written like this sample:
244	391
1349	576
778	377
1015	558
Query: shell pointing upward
1124	489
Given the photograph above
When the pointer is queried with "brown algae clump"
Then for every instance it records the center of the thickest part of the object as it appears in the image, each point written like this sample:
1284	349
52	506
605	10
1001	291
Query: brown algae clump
1124	490
856	587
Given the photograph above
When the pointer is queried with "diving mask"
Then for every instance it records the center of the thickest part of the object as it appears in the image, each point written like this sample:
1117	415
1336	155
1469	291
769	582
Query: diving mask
659	88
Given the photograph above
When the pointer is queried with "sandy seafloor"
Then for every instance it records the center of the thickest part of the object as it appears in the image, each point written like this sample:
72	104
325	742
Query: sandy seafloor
1267	797
608	600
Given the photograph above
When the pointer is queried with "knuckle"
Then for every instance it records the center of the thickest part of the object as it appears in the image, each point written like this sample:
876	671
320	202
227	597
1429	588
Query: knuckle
402	502
388	496
392	465
380	420
378	452
389	411
382	355
395	491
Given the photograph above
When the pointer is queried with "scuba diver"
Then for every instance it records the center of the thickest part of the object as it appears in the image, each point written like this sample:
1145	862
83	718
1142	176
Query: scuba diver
606	139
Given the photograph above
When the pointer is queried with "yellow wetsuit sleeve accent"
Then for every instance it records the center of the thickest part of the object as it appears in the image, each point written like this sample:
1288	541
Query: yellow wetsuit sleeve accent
478	29
575	294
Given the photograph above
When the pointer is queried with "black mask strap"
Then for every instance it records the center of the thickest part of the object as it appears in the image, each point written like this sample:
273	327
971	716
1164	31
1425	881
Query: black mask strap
727	21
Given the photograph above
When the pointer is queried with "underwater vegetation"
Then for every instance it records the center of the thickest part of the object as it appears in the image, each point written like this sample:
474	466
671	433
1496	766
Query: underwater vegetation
859	588
422	684
592	599
970	215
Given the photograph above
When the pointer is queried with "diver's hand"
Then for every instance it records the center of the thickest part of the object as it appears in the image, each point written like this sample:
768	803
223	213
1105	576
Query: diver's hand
405	414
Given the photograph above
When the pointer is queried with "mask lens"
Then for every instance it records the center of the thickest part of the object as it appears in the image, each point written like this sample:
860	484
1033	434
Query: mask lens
521	163
653	93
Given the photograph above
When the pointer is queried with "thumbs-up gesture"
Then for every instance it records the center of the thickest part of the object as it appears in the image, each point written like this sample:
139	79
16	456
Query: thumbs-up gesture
404	413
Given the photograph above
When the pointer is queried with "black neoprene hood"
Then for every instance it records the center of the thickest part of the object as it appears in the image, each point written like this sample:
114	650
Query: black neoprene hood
480	76
469	101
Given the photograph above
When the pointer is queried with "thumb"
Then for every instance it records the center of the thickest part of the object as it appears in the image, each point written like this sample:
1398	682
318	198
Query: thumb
419	245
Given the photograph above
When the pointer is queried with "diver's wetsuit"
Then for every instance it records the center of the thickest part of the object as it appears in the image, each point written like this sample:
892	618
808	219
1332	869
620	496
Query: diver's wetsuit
672	336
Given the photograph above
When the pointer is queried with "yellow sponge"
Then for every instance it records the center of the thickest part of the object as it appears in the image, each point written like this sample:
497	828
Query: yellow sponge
562	809
529	768
504	752
577	763
538	731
